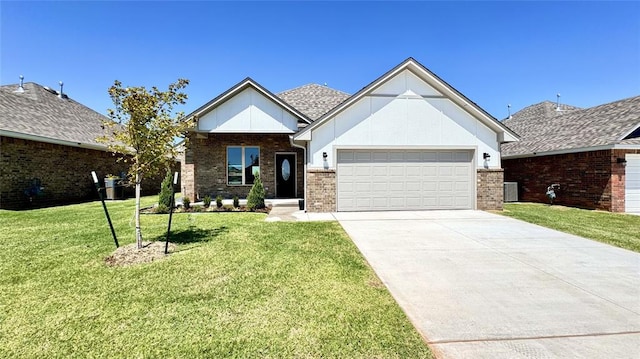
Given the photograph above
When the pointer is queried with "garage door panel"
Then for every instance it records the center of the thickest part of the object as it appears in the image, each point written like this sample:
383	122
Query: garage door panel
380	157
363	202
379	187
413	170
462	156
413	202
413	186
347	187
461	171
430	171
445	186
429	186
445	171
445	156
345	156
404	179
361	156
632	183
362	186
461	186
396	202
430	156
445	201
380	202
396	156
380	170
460	201
429	202
413	157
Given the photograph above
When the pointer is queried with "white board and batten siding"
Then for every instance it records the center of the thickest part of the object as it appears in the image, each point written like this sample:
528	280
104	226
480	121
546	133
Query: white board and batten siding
411	179
248	112
632	184
405	111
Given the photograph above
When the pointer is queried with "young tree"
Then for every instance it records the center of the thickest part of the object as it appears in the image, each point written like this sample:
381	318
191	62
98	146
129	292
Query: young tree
143	130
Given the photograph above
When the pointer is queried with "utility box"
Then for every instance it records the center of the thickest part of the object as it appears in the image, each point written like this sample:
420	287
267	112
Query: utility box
511	191
113	188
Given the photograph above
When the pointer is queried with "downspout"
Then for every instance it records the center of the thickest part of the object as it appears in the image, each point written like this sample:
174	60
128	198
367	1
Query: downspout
304	165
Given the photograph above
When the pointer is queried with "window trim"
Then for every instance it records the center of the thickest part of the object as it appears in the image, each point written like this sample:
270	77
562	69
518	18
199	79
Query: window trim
242	155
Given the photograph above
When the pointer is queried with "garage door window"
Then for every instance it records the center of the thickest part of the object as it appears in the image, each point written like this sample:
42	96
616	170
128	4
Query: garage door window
243	164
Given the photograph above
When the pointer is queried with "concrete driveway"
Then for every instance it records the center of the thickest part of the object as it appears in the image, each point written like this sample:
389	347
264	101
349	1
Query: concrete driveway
480	285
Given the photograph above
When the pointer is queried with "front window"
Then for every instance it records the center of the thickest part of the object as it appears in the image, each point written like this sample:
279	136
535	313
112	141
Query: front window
243	163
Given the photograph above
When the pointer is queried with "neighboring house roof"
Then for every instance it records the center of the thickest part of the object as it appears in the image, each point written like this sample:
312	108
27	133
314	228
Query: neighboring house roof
39	114
432	79
241	86
545	108
543	129
313	100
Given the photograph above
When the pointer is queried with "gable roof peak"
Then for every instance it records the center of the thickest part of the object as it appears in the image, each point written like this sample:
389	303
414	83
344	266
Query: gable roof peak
241	86
433	80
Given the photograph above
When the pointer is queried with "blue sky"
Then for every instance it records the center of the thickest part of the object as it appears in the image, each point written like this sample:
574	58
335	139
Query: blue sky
495	53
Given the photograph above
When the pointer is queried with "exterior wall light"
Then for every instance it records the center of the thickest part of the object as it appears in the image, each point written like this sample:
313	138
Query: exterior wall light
486	156
621	161
324	155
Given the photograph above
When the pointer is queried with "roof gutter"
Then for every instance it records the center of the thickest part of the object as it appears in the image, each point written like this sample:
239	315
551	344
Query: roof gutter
26	136
573	150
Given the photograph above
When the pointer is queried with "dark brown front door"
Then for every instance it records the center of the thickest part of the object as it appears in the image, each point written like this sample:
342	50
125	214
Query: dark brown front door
285	175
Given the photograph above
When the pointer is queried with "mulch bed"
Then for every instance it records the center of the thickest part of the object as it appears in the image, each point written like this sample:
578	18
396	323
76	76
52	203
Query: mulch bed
130	255
211	209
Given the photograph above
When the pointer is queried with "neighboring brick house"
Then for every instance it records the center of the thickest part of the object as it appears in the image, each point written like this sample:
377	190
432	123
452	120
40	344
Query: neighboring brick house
592	153
406	141
48	149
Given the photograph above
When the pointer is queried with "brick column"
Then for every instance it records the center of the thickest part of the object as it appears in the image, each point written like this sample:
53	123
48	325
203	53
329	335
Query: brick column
321	190
490	194
187	171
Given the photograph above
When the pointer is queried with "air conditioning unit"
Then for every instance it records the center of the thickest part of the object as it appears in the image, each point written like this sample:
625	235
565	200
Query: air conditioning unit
511	191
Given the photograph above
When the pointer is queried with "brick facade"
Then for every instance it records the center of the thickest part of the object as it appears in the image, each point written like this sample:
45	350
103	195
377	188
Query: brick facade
591	180
205	160
63	171
490	189
321	190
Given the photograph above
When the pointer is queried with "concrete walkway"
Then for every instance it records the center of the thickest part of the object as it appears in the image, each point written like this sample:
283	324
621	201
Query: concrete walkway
480	285
288	210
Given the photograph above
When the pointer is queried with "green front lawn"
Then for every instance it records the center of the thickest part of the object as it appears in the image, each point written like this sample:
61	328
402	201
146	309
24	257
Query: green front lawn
236	286
621	230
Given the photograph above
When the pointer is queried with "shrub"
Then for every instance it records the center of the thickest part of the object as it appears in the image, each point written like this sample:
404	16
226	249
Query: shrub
255	199
219	201
161	208
186	202
164	197
236	202
206	201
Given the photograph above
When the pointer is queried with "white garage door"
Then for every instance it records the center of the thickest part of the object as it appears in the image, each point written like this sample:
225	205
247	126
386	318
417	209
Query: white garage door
632	184
377	180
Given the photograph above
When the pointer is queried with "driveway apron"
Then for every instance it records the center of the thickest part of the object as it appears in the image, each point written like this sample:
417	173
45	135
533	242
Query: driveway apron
481	285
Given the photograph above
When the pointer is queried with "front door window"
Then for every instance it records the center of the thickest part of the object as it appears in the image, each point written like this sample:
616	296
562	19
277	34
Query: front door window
286	169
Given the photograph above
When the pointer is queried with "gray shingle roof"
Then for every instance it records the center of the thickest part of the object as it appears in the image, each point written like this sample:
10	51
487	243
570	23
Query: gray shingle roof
39	112
543	129
313	100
